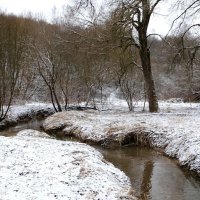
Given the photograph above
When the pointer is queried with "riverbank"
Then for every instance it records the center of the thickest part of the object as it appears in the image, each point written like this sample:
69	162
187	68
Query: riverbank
34	166
177	122
26	112
175	130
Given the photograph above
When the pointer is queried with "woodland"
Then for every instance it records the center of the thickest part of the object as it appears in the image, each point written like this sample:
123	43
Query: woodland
78	58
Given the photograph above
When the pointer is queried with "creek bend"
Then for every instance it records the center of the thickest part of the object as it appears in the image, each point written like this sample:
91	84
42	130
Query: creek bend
153	176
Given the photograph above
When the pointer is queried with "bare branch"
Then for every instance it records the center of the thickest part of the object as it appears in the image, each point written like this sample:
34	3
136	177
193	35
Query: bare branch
182	14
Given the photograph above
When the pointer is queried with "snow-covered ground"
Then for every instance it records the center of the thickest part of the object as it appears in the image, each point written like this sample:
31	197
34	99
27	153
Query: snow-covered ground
19	113
34	166
176	129
29	109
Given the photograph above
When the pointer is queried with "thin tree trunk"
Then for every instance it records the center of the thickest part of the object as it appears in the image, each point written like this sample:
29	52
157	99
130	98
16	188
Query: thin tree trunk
52	100
57	101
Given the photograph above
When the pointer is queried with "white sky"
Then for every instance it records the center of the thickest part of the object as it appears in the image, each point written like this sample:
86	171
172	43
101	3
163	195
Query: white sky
42	7
159	24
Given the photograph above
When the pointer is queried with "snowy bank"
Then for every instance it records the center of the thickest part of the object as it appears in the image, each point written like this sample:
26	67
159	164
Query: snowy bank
178	134
23	113
33	167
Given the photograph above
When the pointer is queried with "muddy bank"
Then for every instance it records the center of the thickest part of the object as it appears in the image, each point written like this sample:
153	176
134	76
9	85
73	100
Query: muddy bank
173	133
25	113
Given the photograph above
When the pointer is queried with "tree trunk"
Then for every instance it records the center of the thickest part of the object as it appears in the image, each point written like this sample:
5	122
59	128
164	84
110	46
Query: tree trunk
151	94
59	108
147	72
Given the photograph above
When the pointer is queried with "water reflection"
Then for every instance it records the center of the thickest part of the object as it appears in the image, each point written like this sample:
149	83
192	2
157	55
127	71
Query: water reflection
146	180
154	176
11	131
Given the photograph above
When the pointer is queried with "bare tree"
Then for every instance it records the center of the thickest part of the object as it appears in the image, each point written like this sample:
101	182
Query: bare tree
13	43
135	15
186	53
49	59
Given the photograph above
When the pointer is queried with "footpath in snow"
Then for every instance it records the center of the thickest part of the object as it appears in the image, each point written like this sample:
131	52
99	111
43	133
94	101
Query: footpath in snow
176	129
34	166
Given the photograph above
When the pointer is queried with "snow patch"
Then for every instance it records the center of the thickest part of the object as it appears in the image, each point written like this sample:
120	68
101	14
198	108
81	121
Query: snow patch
29	109
32	133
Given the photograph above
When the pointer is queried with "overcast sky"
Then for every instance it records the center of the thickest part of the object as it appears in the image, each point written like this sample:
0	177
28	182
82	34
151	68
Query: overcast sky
159	24
42	7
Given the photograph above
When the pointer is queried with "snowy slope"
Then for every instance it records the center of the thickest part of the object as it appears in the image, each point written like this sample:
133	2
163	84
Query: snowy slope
29	109
33	167
24	113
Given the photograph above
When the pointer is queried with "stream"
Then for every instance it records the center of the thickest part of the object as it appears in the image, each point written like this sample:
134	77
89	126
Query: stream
154	176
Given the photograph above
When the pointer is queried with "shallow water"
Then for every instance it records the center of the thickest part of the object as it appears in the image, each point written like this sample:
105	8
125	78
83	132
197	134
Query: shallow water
12	131
154	176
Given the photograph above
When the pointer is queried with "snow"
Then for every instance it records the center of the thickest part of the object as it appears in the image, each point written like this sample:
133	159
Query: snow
176	129
33	167
32	133
26	112
29	109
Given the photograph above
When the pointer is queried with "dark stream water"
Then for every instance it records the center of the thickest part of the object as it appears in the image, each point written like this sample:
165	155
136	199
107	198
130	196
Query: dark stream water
154	176
12	131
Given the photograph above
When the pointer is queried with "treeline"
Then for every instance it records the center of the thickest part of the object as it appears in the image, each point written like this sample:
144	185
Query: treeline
67	63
